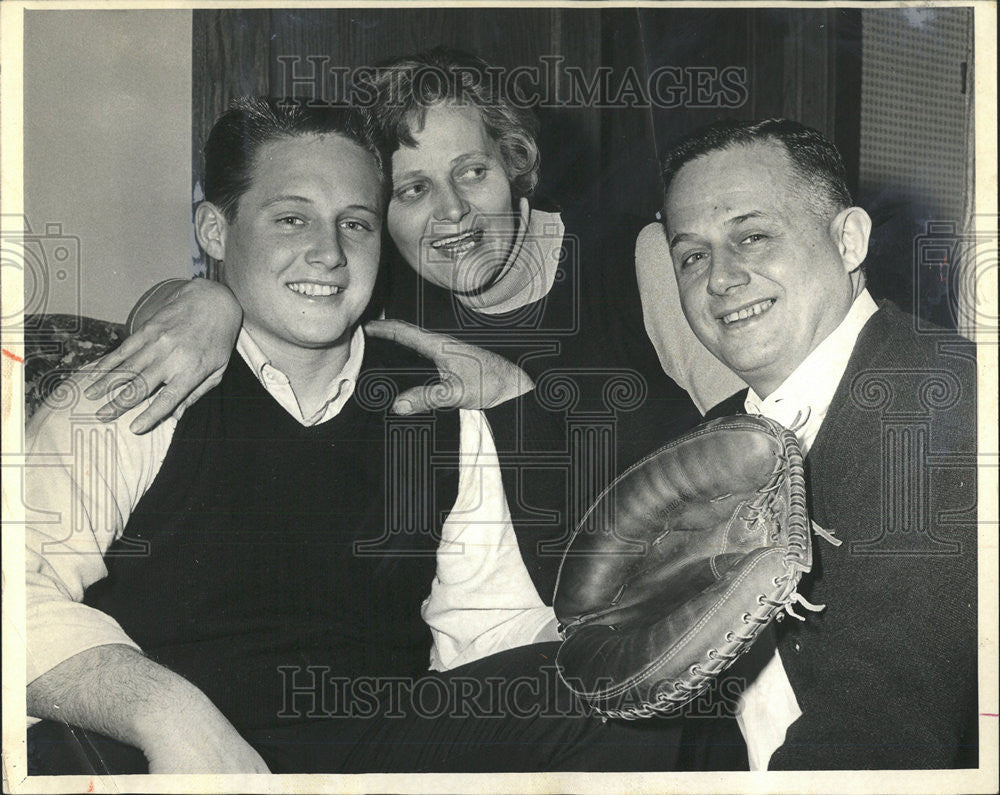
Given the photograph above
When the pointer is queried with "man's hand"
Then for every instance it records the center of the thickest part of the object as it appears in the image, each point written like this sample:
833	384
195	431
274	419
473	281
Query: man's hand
204	742
182	350
471	378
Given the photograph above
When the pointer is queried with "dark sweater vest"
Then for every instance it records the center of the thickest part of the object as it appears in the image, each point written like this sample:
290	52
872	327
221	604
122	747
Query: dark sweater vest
886	674
273	547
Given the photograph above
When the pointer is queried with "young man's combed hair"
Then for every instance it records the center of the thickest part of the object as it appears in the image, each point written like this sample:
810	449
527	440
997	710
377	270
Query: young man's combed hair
252	122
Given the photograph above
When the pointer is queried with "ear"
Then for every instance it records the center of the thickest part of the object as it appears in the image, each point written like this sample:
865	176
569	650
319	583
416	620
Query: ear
851	229
211	227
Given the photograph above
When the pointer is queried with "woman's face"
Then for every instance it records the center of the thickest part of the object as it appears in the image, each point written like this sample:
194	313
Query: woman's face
451	213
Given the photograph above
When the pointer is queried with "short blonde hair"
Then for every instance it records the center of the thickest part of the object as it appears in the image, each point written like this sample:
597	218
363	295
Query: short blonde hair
407	86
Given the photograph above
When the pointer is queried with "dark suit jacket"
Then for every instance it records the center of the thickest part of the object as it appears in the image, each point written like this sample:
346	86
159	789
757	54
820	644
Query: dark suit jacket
886	675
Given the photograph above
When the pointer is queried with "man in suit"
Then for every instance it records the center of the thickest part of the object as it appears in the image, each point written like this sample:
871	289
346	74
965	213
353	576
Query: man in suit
768	252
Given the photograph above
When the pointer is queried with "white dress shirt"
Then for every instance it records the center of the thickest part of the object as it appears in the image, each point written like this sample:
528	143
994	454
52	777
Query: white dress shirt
803	399
87	477
801	403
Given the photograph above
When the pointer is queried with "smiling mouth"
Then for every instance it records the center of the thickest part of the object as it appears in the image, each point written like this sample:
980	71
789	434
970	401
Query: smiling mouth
748	312
459	244
313	290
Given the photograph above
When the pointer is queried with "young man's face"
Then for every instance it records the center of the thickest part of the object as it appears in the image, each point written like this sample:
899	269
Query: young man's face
302	254
761	276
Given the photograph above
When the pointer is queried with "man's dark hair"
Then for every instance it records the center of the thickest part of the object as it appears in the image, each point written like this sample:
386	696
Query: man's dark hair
405	87
251	122
814	158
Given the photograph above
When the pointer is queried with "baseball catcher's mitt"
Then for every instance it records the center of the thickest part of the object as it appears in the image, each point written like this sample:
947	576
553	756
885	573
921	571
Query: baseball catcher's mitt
685	558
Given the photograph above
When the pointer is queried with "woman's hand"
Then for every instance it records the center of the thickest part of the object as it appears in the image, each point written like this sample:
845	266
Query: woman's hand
180	353
471	377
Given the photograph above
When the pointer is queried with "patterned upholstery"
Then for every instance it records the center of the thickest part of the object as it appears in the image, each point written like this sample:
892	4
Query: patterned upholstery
56	345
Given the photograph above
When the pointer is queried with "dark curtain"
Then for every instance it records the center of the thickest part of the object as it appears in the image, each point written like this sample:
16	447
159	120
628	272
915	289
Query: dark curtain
603	115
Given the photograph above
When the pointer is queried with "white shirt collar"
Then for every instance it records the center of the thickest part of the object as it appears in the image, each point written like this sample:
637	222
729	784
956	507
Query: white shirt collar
279	387
803	399
531	266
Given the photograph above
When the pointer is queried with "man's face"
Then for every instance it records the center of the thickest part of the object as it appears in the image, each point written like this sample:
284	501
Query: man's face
450	214
761	277
302	254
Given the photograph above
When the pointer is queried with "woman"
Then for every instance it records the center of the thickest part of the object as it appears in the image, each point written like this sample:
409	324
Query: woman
464	164
493	264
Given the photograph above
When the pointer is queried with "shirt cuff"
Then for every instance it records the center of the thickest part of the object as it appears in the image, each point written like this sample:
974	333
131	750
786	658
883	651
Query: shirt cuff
57	632
520	628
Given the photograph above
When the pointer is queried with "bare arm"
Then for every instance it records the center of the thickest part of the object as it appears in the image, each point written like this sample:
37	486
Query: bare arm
182	335
118	692
82	668
151	301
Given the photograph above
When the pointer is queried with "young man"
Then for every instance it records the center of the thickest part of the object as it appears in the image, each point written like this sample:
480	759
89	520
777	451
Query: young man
768	251
284	531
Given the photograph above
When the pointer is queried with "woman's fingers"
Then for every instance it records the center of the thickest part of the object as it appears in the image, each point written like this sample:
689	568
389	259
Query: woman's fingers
116	369
162	406
426	343
448	393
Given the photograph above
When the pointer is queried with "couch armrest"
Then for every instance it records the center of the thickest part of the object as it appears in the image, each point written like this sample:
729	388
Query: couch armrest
57	345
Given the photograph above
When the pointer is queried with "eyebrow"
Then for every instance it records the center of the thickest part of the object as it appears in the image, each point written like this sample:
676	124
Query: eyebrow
416	172
473	153
739	219
293	198
680	237
286	197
